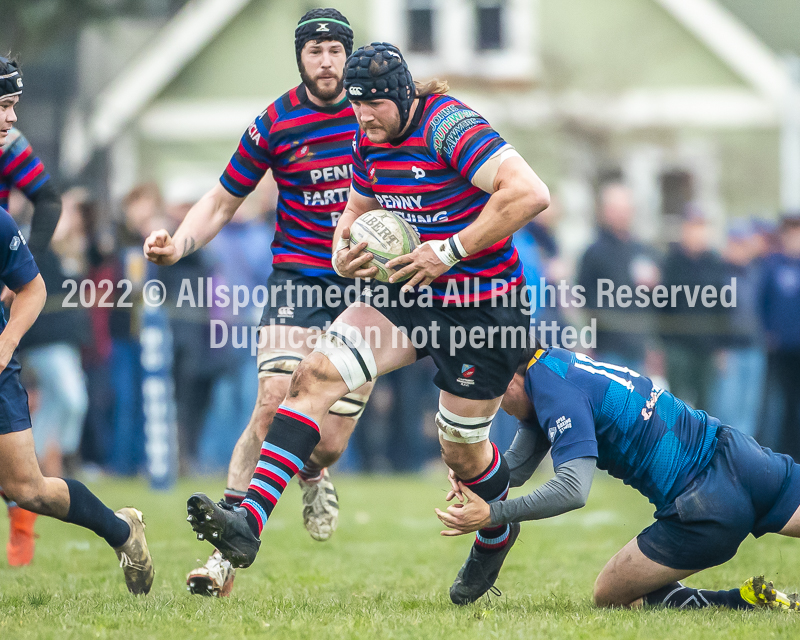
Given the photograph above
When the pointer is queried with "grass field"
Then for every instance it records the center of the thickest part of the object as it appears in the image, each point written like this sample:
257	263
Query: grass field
385	574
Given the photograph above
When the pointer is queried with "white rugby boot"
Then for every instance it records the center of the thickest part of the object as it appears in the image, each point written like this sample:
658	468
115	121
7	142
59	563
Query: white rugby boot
134	557
214	578
320	506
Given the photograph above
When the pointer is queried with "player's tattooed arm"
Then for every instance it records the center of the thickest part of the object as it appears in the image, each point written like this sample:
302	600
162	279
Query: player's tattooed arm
203	221
189	246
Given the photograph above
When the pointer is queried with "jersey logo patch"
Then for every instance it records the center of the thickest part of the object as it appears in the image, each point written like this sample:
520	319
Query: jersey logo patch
15	242
647	411
449	125
562	424
467	371
254	134
418	173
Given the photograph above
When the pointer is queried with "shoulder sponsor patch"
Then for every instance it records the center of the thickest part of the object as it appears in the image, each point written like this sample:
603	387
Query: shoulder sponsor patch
447	126
562	424
254	133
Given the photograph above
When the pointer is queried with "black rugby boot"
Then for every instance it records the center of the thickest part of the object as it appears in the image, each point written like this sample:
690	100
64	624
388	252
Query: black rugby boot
479	572
225	527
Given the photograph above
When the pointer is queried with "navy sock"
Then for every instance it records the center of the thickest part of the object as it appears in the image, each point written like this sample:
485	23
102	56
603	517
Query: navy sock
9	502
492	485
288	446
680	597
86	510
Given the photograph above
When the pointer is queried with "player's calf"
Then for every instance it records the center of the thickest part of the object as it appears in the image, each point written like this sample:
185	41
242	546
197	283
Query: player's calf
465	443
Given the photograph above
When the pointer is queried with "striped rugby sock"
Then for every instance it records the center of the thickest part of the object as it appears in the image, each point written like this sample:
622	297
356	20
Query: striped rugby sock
287	447
492	485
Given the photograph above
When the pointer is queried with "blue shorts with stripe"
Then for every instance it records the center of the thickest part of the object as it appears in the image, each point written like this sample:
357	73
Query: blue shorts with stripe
744	489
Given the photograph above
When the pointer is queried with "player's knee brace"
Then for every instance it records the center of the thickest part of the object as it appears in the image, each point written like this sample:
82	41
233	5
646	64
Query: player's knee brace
349	352
350	406
277	362
456	428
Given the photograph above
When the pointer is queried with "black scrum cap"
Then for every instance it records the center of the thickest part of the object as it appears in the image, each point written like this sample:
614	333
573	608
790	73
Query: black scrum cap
378	71
323	24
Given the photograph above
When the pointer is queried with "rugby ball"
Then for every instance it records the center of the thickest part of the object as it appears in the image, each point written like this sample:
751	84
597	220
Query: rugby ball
387	236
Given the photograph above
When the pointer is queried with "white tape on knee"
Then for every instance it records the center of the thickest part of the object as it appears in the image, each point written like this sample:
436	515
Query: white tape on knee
350	406
347	350
277	362
454	428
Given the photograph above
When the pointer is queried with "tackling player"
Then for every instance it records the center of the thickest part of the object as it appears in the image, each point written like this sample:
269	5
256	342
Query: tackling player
305	138
711	484
438	164
20	168
20	477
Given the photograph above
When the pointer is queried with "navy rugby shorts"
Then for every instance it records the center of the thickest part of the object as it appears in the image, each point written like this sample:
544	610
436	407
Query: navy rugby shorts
14	413
744	489
472	369
294	301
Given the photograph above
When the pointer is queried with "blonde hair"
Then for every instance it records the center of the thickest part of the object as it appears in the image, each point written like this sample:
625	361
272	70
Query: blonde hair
431	87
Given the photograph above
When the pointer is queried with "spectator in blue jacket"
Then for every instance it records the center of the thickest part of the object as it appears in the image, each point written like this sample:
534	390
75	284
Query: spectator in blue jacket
780	313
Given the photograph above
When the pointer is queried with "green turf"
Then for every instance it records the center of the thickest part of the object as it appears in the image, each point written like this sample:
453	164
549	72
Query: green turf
385	574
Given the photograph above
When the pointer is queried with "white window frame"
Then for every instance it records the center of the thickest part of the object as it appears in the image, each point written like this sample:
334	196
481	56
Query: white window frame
455	52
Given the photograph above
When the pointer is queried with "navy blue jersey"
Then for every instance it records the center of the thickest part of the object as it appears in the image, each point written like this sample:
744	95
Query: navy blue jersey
17	267
638	432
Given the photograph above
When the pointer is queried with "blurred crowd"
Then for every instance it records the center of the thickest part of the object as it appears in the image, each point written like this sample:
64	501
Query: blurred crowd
83	362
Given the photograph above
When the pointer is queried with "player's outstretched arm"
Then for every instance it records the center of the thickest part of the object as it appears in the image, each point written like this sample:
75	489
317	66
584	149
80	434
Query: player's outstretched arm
519	196
25	308
201	224
567	491
525	454
350	262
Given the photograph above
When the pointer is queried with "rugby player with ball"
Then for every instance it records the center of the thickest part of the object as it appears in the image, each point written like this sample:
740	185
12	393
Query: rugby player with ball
304	137
438	164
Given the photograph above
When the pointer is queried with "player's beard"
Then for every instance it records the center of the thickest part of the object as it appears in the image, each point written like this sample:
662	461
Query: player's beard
385	132
326	95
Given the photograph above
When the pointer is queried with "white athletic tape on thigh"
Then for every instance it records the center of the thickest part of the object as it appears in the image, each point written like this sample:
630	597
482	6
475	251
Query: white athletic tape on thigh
350	406
347	350
277	362
454	428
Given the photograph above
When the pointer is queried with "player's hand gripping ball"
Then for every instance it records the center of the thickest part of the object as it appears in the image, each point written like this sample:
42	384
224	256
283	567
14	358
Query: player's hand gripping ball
387	236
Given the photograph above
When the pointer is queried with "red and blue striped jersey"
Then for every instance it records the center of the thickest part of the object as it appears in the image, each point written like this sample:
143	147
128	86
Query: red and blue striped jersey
19	168
308	148
425	178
